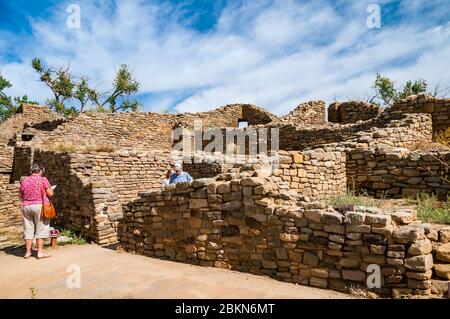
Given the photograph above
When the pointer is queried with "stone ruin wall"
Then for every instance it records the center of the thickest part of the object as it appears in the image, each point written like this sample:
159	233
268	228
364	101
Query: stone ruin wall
248	224
226	116
306	114
398	131
6	164
316	174
389	173
10	208
438	108
93	187
120	130
352	112
26	115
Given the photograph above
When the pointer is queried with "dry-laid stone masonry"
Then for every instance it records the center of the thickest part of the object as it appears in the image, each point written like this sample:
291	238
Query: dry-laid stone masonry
352	111
251	217
399	172
93	187
10	207
249	224
438	108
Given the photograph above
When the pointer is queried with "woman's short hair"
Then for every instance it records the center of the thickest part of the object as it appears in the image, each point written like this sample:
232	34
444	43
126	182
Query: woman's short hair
36	168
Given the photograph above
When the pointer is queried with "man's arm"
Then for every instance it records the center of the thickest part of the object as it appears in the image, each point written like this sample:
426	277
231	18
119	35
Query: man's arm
189	177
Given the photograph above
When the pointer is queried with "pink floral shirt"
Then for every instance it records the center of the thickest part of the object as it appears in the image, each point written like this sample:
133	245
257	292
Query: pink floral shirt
31	192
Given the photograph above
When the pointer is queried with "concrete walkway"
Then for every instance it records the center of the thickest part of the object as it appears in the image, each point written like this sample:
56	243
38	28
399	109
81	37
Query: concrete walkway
106	273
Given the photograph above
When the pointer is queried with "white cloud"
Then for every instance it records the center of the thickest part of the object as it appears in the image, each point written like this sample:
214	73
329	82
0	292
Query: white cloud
272	54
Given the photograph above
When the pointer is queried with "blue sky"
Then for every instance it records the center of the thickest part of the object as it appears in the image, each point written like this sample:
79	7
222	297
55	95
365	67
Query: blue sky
198	55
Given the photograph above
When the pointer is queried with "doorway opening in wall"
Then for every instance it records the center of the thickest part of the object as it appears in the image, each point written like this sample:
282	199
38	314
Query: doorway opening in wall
27	137
242	123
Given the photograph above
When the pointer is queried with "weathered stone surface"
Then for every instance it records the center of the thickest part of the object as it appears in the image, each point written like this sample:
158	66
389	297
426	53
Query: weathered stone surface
419	263
420	275
409	233
443	252
403	217
355	218
439	287
420	247
349	263
353	275
310	259
289	238
202	182
444	235
378	219
198	203
419	284
314	215
442	270
332	218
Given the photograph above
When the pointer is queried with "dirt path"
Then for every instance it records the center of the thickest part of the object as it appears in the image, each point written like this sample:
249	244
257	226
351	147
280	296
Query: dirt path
106	273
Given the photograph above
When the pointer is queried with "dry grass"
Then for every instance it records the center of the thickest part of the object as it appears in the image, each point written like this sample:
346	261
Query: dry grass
362	293
66	147
69	147
443	137
353	198
425	146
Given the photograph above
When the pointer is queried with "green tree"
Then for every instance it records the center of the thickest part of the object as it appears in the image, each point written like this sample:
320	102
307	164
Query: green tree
386	92
7	108
8	105
118	98
62	84
82	93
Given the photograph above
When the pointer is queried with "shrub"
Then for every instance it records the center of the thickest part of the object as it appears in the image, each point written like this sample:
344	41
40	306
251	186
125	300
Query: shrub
77	239
66	147
430	209
351	197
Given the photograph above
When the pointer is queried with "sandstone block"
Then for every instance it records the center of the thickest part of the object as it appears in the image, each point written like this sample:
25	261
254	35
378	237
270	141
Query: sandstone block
349	263
319	272
439	287
442	270
420	275
310	259
420	247
408	234
289	238
332	218
353	275
418	284
318	282
443	252
355	218
378	219
444	235
198	203
314	215
419	263
358	229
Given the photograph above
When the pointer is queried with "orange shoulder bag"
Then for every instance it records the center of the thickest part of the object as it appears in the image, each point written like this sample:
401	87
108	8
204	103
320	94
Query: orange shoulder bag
48	211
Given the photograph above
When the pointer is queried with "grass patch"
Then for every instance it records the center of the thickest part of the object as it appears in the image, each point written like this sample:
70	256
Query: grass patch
351	197
66	148
430	209
77	239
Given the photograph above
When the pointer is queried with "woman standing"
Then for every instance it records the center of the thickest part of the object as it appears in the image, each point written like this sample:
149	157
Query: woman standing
33	190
